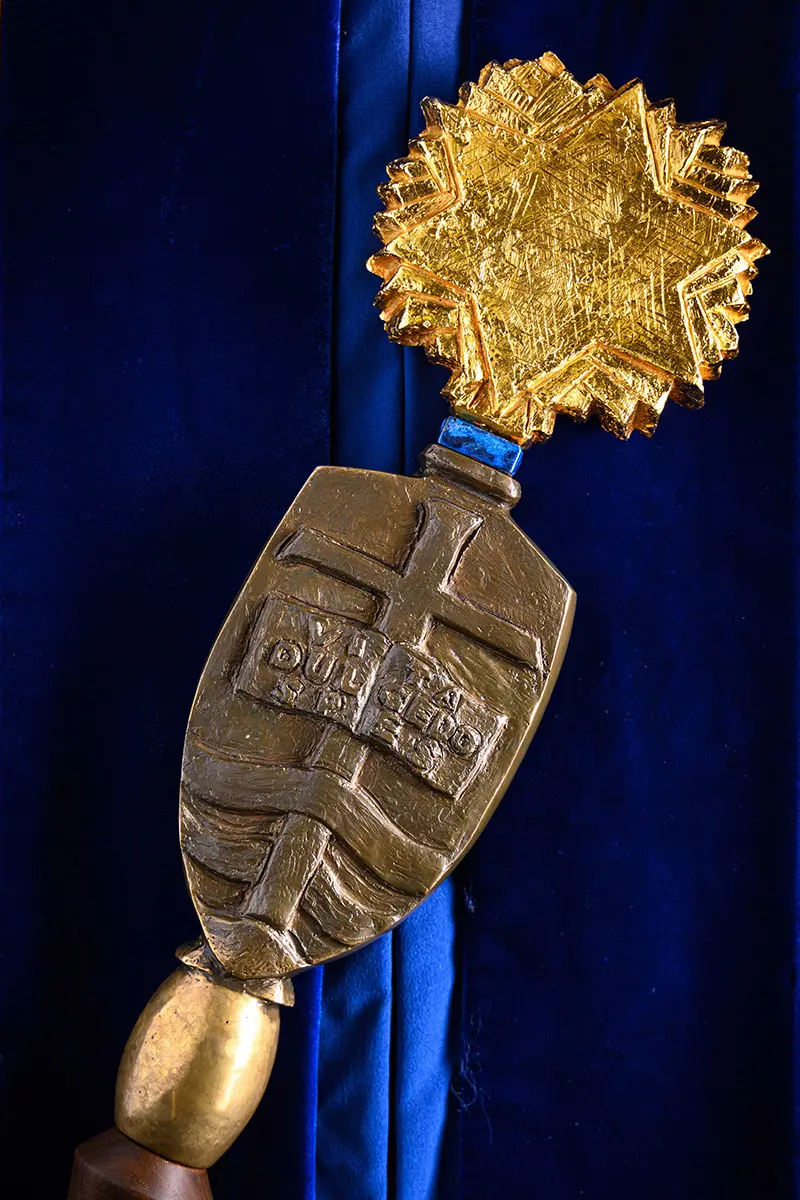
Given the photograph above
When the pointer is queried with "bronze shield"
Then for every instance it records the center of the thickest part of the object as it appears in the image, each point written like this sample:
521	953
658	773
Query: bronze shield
363	709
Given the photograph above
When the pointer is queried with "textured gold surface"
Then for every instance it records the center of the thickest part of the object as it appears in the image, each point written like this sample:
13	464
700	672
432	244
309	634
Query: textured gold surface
566	249
195	1068
363	710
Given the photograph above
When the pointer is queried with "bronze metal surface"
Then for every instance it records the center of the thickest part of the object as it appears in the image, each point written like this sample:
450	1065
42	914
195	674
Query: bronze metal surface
566	249
195	1068
364	709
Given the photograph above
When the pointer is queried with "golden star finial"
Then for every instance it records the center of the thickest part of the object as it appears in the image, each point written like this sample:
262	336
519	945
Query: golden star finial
566	249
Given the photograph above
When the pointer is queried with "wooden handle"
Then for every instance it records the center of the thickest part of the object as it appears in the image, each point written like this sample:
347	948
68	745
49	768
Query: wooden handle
112	1167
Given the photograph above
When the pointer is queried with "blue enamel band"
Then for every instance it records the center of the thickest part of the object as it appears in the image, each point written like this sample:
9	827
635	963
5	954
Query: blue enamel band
476	442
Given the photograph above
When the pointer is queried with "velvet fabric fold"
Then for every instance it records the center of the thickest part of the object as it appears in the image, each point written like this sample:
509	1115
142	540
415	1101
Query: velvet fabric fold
387	1039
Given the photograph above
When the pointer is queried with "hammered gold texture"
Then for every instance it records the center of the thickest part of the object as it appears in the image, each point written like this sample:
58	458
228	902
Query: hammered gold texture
566	249
363	710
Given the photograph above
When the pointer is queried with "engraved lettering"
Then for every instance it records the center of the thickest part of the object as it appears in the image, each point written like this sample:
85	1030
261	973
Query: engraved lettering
466	741
386	730
448	699
424	754
286	692
330	703
319	666
285	655
437	730
352	678
359	646
443	726
331	663
396	699
421	712
322	631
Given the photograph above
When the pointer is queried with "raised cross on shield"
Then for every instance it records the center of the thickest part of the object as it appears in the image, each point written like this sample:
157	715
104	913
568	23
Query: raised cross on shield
362	711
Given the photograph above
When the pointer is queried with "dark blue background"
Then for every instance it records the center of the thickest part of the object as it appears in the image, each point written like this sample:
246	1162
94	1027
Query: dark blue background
625	927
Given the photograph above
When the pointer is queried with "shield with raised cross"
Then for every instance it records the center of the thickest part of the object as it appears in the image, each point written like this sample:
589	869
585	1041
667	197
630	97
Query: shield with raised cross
364	709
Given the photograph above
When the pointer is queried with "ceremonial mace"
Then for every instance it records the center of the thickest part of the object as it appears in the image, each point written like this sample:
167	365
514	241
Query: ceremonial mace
562	249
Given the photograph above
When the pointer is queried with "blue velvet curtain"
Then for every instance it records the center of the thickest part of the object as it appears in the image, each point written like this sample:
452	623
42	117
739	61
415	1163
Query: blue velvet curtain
600	1003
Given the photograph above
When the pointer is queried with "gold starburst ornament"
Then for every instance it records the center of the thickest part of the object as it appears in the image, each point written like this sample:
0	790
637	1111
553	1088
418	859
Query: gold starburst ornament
566	248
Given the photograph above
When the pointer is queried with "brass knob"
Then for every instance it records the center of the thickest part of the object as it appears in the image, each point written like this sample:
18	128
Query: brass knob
195	1068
